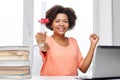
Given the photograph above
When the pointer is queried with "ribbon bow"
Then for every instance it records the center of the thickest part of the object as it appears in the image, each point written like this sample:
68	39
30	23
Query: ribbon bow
43	21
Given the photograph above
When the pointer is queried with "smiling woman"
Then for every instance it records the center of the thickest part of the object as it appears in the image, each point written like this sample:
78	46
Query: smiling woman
84	23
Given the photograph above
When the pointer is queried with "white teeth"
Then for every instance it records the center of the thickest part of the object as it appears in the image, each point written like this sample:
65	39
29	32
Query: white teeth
61	29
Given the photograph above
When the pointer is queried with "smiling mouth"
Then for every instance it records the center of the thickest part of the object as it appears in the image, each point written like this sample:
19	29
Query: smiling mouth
61	29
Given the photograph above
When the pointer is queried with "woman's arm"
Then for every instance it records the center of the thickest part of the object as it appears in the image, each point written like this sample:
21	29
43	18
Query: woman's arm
88	59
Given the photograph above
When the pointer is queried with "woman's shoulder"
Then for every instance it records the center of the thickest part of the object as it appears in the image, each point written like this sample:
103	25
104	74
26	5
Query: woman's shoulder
72	39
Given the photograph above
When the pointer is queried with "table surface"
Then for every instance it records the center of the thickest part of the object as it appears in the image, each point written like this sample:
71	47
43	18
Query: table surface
56	78
49	78
64	78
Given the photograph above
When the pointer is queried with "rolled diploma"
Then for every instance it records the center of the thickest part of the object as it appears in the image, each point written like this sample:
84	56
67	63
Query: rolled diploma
43	13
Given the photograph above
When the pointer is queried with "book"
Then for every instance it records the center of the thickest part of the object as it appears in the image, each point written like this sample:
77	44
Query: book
14	63
15	48
14	67
26	71
14	57
26	76
13	52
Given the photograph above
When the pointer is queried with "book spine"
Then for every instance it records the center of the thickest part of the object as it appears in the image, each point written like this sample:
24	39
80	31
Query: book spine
24	57
13	52
14	48
26	76
14	72
14	67
14	63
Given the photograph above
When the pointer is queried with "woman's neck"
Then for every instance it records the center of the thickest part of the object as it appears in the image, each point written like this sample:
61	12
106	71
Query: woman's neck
62	40
59	37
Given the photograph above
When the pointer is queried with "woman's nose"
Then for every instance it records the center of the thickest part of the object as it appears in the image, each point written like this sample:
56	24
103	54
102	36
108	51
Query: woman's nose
61	23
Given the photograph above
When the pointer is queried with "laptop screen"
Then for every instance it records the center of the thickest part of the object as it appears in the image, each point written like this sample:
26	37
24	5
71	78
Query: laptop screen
106	62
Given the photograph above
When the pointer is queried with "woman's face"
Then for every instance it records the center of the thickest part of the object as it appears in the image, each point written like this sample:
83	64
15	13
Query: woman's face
60	24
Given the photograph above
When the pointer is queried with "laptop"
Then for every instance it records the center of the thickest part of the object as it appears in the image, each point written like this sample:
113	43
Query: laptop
106	64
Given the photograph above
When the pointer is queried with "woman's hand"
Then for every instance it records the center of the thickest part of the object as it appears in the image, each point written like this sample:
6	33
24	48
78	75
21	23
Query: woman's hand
40	37
94	38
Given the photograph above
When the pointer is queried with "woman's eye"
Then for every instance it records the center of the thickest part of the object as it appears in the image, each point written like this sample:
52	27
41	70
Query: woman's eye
65	21
56	21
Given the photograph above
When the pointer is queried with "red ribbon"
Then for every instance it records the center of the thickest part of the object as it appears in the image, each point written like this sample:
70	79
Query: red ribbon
43	21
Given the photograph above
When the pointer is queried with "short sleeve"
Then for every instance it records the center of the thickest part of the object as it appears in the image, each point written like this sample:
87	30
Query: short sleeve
43	55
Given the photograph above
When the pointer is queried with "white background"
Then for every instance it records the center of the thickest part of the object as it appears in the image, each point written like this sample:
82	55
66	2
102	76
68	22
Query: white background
11	22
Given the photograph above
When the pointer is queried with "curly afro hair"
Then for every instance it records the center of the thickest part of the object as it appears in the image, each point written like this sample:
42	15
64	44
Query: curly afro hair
52	13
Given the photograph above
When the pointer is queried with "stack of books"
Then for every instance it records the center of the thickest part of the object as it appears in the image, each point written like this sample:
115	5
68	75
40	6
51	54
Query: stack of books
15	62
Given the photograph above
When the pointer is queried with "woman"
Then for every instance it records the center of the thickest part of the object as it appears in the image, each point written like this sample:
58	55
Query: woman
61	54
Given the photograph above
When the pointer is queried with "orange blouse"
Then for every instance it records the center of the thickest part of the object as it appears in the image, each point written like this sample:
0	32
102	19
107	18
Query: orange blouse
60	60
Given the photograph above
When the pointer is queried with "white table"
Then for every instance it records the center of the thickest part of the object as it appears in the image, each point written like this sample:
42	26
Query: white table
60	78
49	78
54	78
